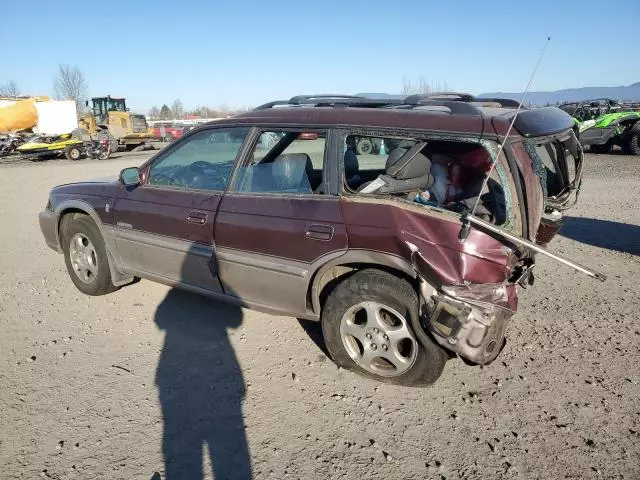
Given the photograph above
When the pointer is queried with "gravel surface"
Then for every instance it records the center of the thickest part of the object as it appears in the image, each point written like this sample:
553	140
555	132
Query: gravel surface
106	387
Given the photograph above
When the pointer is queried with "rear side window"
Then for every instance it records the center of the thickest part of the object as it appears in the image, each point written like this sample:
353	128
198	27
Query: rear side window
434	172
284	162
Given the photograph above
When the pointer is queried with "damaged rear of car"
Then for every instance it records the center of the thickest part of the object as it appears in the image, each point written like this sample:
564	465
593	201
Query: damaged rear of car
469	213
409	251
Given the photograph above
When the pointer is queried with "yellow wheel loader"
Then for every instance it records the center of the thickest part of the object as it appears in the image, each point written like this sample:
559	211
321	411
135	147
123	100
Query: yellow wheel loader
130	130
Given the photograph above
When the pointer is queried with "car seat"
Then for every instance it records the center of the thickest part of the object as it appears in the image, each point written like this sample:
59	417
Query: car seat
406	170
291	173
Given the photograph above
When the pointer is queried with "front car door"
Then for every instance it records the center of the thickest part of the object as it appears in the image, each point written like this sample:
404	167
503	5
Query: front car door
164	226
280	219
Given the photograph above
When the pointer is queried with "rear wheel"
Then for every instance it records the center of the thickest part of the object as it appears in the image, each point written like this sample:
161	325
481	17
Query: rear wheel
632	145
85	256
366	325
73	152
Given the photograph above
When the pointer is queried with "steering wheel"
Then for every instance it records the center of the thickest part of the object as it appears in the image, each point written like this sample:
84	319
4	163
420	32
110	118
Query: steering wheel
204	174
158	178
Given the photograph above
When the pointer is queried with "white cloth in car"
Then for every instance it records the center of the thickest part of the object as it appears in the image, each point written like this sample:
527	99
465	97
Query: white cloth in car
439	188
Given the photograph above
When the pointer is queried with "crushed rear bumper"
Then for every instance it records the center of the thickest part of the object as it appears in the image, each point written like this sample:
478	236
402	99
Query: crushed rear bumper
470	323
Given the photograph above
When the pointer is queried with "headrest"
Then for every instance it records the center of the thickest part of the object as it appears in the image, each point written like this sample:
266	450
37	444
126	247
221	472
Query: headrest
290	170
403	164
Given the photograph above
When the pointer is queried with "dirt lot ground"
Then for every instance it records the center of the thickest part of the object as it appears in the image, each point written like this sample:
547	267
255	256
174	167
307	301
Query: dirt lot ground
107	387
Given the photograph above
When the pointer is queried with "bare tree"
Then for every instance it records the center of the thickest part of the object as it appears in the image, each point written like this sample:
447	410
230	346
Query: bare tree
9	89
70	84
154	113
424	87
406	86
177	111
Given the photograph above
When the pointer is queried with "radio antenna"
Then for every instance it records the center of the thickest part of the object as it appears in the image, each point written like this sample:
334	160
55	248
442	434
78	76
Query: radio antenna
513	120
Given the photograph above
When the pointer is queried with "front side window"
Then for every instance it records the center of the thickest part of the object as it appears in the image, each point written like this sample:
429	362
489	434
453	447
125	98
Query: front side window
203	162
285	162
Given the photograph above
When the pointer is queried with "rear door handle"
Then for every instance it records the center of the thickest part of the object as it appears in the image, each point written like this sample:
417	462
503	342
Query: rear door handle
197	217
319	232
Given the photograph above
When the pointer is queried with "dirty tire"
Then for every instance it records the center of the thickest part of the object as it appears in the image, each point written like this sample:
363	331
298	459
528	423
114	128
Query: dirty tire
391	291
73	152
364	146
633	140
101	283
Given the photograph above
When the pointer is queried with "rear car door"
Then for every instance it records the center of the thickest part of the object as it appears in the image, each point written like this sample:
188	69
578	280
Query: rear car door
164	226
279	219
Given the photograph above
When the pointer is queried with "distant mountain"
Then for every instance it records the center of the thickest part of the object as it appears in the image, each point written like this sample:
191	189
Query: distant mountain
630	93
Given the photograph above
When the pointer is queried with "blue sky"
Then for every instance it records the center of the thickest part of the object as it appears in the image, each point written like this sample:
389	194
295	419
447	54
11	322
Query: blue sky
242	53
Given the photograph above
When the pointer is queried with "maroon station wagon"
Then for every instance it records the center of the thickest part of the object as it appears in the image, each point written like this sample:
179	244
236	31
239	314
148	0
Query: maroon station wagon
408	255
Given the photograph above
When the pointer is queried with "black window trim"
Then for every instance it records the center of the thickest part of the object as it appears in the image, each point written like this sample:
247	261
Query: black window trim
250	144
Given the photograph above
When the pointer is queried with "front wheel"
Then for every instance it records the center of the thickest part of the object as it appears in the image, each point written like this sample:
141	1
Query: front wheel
367	328
85	256
632	145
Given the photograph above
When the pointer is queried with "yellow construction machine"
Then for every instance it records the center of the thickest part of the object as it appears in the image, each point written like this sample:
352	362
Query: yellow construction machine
130	130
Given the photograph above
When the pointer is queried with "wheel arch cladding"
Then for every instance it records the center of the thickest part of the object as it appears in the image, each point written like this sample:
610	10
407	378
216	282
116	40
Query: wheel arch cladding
333	272
69	211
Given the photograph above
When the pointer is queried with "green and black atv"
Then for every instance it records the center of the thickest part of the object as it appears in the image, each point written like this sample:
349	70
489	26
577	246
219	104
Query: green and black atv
603	123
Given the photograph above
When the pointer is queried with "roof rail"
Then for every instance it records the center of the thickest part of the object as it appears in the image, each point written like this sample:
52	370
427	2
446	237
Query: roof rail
299	99
267	105
465	97
331	100
455	106
504	102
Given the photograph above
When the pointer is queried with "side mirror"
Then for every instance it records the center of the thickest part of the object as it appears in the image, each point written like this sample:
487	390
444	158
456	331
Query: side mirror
130	176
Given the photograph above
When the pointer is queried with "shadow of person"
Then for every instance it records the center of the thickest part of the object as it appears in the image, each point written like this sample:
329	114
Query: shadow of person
621	237
201	389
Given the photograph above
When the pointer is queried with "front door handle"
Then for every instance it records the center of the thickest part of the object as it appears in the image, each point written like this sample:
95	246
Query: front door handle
197	217
319	232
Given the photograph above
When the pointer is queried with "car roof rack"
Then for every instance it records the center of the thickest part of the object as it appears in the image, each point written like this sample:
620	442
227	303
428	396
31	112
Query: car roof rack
503	102
330	100
456	107
465	97
455	102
